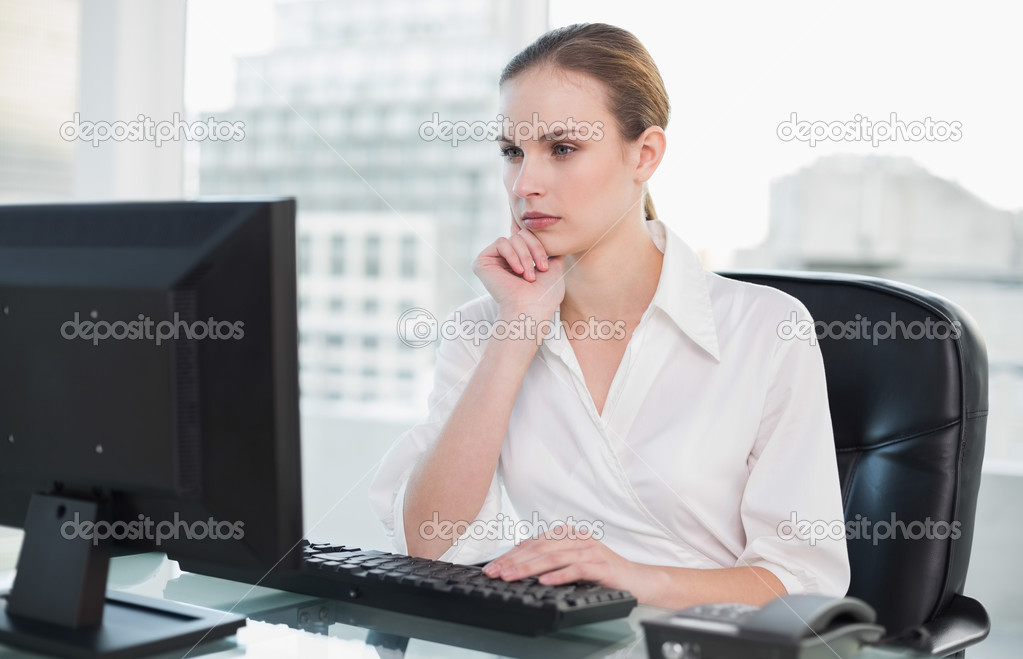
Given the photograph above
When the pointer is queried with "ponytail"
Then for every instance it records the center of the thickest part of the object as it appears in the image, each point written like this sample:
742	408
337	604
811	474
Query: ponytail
648	206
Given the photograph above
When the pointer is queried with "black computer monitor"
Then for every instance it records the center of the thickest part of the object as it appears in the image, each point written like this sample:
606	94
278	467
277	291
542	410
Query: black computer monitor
149	370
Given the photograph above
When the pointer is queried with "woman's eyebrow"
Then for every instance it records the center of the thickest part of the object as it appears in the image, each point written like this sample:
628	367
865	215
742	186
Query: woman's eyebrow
546	137
560	134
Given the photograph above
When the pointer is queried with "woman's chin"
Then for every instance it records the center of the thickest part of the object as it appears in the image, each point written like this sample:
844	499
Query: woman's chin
550	247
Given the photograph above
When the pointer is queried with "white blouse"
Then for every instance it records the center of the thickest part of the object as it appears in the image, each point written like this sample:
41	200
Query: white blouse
714	439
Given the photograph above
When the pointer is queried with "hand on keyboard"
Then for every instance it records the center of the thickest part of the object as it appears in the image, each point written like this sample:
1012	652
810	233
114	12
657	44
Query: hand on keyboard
566	555
457	593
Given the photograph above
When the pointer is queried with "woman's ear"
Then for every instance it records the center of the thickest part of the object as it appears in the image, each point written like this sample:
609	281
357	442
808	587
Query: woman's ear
652	143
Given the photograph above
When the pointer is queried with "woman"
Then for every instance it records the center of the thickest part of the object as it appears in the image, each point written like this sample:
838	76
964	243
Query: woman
685	439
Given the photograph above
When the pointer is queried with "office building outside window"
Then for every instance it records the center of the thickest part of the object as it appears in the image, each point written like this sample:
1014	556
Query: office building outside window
333	112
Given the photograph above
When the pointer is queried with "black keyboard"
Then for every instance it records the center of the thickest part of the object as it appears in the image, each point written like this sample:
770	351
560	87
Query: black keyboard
447	591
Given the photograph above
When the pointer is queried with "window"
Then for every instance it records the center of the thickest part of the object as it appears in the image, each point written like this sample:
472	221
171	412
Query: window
337	255
305	256
39	48
408	257
373	256
342	61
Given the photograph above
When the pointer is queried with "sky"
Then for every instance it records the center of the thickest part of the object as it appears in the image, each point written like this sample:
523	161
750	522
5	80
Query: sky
734	71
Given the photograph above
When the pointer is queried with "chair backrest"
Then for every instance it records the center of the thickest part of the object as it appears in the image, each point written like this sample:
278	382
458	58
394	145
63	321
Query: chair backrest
909	412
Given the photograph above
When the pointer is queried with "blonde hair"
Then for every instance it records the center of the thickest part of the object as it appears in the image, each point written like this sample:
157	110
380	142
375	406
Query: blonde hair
636	93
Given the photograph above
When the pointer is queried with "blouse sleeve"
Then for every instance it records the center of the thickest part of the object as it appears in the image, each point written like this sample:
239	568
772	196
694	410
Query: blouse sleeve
456	360
792	509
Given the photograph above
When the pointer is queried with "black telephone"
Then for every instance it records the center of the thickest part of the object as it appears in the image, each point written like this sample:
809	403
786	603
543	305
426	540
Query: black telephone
788	627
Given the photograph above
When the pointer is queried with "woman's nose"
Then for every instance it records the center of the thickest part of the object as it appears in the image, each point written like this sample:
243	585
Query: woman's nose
529	180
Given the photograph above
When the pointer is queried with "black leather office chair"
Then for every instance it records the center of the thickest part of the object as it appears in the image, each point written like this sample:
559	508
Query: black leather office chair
909	418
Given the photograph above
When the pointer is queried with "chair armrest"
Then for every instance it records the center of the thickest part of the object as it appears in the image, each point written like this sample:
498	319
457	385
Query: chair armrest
962	623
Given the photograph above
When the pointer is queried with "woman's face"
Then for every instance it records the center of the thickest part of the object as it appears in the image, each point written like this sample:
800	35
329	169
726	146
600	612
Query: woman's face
570	179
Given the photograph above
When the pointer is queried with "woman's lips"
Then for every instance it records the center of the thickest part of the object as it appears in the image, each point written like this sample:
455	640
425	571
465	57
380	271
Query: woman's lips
539	222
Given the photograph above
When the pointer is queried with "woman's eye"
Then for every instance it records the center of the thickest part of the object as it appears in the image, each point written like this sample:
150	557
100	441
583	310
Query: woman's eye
511	152
562	150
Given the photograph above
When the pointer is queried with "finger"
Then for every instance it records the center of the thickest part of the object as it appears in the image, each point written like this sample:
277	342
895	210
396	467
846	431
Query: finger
510	557
520	555
568	574
522	259
561	532
525	256
542	564
530	548
510	254
536	248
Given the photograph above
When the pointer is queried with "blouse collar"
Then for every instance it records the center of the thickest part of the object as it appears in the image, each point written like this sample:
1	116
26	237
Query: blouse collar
683	290
683	293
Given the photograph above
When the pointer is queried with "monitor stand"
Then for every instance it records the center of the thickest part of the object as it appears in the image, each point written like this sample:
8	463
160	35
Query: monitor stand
59	604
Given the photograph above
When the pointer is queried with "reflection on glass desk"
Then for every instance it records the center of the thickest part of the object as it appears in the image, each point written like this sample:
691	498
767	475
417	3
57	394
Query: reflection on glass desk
282	624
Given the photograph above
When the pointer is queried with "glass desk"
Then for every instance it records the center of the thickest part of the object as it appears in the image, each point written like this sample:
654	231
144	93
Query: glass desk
282	625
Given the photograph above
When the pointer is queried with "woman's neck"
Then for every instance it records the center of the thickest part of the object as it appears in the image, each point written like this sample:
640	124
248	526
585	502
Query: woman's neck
615	280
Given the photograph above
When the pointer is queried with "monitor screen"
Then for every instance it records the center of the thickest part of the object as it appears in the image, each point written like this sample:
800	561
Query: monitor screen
149	355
